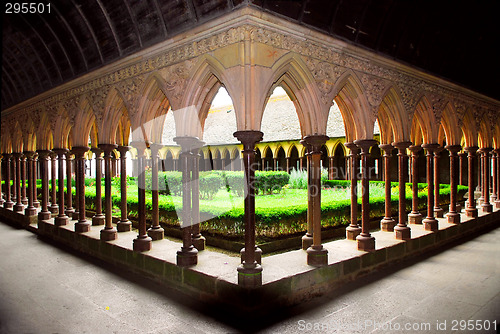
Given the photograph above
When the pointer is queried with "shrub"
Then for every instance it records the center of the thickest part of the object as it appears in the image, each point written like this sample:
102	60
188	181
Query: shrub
268	182
235	182
298	179
210	184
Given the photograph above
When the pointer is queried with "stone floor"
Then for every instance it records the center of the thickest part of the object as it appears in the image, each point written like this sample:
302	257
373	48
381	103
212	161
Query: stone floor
45	289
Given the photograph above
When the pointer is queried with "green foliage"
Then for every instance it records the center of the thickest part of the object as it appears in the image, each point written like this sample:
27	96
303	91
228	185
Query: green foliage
270	182
298	179
234	181
210	185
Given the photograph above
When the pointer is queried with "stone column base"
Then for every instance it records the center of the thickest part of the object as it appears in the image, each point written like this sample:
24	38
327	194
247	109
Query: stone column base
98	220
69	212
54	208
317	257
18	207
187	257
82	226
199	243
387	224
430	224
75	215
453	217
36	204
459	207
258	254
438	212
471	213
109	234
351	232
61	221
156	233
487	207
366	243
30	211
142	244
44	215
402	232
307	241
8	205
415	218
250	277
124	226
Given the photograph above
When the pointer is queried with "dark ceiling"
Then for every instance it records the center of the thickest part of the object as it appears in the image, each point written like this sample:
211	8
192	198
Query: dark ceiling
456	40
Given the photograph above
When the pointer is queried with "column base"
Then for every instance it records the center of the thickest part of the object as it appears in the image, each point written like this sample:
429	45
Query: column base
493	198
44	215
351	232
124	226
402	232
82	226
156	233
69	212
366	243
497	204
61	221
415	218
8	205
430	224
471	213
387	224
98	220
199	242
487	207
36	204
317	256
142	244
307	241
438	212
54	208
75	215
18	207
187	257
30	211
458	208
258	255
453	217
109	234
24	201
250	276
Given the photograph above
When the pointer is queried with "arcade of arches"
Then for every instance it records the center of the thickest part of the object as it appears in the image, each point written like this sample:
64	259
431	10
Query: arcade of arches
122	108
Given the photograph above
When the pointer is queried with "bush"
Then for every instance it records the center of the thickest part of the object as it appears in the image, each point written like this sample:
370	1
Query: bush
210	184
298	179
268	182
235	182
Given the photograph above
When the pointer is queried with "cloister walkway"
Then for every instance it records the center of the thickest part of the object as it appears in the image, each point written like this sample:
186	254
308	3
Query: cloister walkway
44	289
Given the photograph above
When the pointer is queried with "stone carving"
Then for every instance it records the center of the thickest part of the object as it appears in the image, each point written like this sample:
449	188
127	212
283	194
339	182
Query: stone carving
325	75
375	88
176	77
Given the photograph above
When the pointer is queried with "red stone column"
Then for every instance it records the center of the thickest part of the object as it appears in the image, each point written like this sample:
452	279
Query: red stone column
353	230
82	225
486	206
44	166
30	210
288	165
188	255
109	232
480	176
462	156
494	177
124	225
453	216
430	223
61	218
19	205
69	194
35	162
156	232
330	167
497	176
438	211
198	239
365	241
13	187
387	223
98	218
249	272
1	188
317	255
143	242
54	208
414	217
8	204
24	198
307	239
402	230
471	210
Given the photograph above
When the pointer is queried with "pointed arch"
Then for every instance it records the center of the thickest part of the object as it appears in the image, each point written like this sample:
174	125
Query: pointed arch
84	121
424	119
62	130
449	123
44	134
469	130
393	122
115	113
17	135
485	134
29	135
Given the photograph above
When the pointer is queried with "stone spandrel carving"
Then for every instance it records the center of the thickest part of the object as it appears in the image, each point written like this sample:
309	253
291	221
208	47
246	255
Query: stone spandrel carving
438	103
325	75
176	80
131	90
375	88
410	95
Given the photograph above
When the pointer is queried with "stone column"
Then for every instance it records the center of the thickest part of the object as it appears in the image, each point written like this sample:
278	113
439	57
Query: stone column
198	239
486	206
353	230
36	203
19	205
317	255
365	241
430	223
13	187
188	255
8	204
414	217
1	188
156	232
69	186
143	242
288	164
403	231
494	177
307	239
98	218
24	198
62	218
82	225
497	176
30	210
471	210
249	272
438	211
124	225
330	167
462	156
109	232
453	216
480	177
44	166
54	208
387	223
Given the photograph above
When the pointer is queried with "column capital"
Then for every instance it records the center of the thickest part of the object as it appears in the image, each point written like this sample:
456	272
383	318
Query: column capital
43	154
471	149
123	150
107	148
431	147
365	144
402	145
97	151
462	154
53	154
17	155
140	146
315	142
155	147
248	138
497	151
29	154
60	151
79	151
387	148
485	150
453	148
414	149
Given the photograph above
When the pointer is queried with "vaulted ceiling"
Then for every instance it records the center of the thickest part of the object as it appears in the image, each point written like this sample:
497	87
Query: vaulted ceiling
456	40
